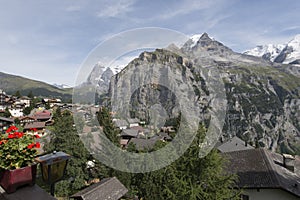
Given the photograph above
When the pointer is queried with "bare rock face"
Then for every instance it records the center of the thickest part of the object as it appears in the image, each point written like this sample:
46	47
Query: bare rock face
262	97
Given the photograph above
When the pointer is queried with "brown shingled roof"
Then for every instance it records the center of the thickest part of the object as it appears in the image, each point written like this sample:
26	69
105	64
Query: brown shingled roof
261	168
37	125
109	188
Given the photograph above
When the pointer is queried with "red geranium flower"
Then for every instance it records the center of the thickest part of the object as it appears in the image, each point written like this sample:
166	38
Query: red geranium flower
11	128
11	136
34	129
25	145
18	134
37	145
30	146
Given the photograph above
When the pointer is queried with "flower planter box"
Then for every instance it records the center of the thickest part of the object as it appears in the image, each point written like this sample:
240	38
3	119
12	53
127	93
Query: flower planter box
10	180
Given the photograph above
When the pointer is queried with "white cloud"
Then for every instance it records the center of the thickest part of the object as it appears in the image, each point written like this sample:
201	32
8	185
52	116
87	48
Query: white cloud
291	28
115	8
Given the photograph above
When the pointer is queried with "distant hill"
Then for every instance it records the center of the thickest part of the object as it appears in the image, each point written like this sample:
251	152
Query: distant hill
12	83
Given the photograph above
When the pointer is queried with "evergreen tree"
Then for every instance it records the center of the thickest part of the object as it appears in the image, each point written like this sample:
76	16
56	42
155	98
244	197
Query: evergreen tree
6	113
65	138
30	95
27	110
33	104
47	105
17	94
109	129
189	177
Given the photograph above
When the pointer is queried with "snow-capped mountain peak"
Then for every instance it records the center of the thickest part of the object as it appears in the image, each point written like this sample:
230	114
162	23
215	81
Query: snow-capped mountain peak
195	38
292	51
269	51
288	53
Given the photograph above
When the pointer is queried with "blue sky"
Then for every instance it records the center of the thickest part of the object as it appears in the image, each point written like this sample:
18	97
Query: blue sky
48	40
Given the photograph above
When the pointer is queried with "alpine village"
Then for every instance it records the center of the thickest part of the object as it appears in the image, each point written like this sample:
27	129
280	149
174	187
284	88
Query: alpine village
257	156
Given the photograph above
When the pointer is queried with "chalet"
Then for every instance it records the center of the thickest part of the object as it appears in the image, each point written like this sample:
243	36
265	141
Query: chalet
142	132
24	100
5	123
129	133
148	144
109	188
26	119
2	99
52	102
17	110
43	116
233	144
39	126
138	128
264	175
133	122
5	100
120	123
144	144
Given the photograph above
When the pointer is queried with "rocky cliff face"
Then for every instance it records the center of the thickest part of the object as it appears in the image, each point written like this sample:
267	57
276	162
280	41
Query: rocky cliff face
100	77
262	97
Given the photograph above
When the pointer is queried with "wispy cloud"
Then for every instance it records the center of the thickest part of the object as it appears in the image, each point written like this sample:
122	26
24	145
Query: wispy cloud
38	36
115	8
186	7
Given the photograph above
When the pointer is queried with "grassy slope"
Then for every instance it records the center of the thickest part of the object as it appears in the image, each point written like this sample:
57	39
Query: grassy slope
11	83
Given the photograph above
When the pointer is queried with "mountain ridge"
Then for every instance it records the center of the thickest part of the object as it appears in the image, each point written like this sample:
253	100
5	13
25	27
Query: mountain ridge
288	53
12	83
263	97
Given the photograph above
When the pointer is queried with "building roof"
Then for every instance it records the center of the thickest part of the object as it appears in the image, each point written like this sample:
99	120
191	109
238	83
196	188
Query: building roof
32	125
107	189
133	121
6	119
234	144
261	168
129	132
27	192
26	117
142	143
120	122
138	128
45	114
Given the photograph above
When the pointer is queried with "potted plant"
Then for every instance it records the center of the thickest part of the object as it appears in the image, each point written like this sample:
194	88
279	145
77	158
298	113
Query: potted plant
17	153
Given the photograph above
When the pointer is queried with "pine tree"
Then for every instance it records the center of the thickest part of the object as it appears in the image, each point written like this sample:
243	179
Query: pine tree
17	94
189	177
65	138
30	95
109	129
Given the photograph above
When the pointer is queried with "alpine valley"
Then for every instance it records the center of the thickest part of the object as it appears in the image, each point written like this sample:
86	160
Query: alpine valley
262	96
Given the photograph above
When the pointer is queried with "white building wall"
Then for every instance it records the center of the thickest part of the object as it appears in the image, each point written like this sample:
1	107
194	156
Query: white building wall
133	124
269	194
16	112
